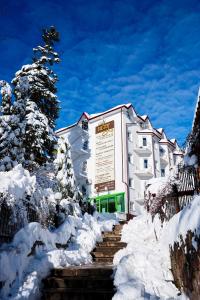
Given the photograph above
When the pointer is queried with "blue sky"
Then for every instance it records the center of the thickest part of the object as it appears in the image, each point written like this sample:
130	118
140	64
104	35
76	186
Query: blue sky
113	51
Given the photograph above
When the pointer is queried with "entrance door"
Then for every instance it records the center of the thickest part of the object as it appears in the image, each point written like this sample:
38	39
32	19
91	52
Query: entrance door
111	205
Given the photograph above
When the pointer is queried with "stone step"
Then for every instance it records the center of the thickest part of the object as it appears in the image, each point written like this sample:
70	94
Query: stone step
103	259
78	294
118	227
87	270
112	244
111	239
105	249
91	282
103	254
111	234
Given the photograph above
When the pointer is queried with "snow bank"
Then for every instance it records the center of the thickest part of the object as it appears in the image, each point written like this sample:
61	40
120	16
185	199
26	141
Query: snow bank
186	220
19	188
22	267
156	185
143	267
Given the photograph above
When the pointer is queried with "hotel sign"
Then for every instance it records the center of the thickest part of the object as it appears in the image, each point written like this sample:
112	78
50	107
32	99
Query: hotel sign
105	157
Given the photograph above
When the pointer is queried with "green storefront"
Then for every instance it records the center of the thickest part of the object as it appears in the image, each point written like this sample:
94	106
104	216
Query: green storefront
110	203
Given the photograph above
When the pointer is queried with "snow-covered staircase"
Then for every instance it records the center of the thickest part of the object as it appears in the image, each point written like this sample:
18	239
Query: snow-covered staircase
87	282
105	251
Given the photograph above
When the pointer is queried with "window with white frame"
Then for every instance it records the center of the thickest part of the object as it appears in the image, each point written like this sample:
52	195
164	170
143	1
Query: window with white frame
84	190
84	166
144	141
143	125
85	125
85	145
130	136
128	114
145	163
130	158
130	182
163	172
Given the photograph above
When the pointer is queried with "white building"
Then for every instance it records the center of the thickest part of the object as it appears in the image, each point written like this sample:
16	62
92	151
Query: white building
114	154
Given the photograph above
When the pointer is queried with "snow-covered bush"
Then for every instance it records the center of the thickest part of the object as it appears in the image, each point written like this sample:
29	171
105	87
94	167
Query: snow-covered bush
23	264
20	191
158	191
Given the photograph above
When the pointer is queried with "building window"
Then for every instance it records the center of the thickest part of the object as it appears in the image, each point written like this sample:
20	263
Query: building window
143	125
84	167
162	151
128	114
130	136
85	125
145	163
130	158
85	145
84	190
130	182
162	172
144	141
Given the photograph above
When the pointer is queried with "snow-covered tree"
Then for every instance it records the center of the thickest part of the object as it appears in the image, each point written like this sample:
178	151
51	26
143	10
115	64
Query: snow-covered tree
6	93
35	89
64	174
11	131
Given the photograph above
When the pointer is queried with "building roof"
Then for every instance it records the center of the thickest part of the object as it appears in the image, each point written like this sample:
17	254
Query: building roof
196	119
93	116
89	117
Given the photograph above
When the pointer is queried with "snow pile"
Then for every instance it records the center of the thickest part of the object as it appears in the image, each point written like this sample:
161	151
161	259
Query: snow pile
156	191
143	267
186	220
18	188
156	185
23	266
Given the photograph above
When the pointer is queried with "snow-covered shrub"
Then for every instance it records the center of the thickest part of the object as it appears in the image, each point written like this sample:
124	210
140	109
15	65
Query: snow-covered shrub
20	191
158	193
23	266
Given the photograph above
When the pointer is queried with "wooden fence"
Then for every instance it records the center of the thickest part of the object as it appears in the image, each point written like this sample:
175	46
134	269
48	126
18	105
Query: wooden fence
189	185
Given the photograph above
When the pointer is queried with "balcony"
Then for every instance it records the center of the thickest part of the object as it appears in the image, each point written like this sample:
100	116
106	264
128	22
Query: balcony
144	172
146	150
164	159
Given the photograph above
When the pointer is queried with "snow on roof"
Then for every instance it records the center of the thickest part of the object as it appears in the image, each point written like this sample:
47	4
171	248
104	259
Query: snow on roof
128	105
91	116
144	117
164	141
173	141
197	107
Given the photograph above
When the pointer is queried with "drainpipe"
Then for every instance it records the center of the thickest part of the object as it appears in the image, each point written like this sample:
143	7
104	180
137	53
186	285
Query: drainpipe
127	187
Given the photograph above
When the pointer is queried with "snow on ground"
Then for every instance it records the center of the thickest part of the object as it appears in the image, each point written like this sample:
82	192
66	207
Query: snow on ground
186	220
21	270
143	267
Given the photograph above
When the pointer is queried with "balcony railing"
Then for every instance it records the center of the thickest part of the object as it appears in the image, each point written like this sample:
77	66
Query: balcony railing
144	172
140	149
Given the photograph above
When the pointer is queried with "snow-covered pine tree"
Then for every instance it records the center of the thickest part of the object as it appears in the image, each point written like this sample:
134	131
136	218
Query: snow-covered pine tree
6	93
64	174
11	131
35	88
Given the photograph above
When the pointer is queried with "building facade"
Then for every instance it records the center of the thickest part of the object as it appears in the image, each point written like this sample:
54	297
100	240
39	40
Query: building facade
115	153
